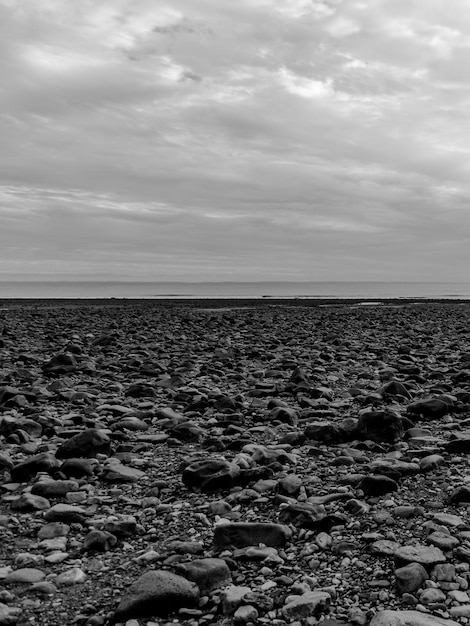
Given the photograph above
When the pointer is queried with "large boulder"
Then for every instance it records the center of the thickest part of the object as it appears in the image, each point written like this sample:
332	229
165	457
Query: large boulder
380	426
60	364
156	593
44	462
430	408
86	445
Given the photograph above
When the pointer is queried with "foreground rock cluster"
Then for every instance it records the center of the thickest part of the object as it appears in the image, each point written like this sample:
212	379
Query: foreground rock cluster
263	464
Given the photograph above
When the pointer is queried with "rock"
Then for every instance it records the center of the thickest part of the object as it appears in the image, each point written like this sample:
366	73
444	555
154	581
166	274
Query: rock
410	578
290	484
53	529
54	488
245	614
208	574
409	618
118	473
380	426
187	431
378	485
232	598
28	502
447	519
9	614
243	534
384	547
431	462
78	468
66	513
99	541
86	444
60	364
156	593
442	540
428	556
431	596
430	409
285	415
44	462
460	494
310	516
325	432
308	604
122	527
70	577
211	475
444	572
458	443
25	575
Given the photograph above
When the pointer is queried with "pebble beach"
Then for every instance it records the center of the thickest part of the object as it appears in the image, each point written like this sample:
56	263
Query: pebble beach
234	462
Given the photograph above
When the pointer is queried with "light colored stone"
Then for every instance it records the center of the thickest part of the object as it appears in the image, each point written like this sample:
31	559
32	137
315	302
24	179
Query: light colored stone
409	618
306	605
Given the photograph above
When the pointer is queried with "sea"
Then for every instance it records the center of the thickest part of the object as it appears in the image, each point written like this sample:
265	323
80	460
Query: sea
234	290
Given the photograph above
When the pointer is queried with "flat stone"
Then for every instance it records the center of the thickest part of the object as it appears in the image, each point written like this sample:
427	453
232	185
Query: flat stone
86	444
25	575
428	556
118	473
306	605
409	618
66	513
243	534
447	519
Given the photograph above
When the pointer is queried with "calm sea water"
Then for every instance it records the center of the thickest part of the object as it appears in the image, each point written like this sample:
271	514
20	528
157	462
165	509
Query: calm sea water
149	290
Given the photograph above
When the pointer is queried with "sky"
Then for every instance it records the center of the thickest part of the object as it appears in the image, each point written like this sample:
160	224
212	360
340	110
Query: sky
221	140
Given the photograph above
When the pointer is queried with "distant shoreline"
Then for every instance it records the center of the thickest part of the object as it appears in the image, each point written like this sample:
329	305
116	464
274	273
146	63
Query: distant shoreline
226	302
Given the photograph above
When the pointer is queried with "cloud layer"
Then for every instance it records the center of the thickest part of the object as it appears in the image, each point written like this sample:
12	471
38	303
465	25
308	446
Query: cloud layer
262	139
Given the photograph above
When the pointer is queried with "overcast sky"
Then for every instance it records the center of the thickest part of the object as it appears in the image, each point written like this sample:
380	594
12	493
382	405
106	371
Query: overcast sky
235	140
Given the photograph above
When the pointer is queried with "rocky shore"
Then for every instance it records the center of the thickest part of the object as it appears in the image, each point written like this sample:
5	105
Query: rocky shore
206	463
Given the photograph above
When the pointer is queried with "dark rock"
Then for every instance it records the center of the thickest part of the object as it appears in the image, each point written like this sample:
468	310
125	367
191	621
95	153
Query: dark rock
380	426
310	516
60	364
410	578
211	475
458	443
378	485
208	574
86	444
140	390
78	468
187	431
54	488
325	432
460	494
430	409
44	462
285	415
156	593
99	541
243	534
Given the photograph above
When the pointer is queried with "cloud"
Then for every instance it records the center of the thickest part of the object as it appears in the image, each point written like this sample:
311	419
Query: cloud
258	139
